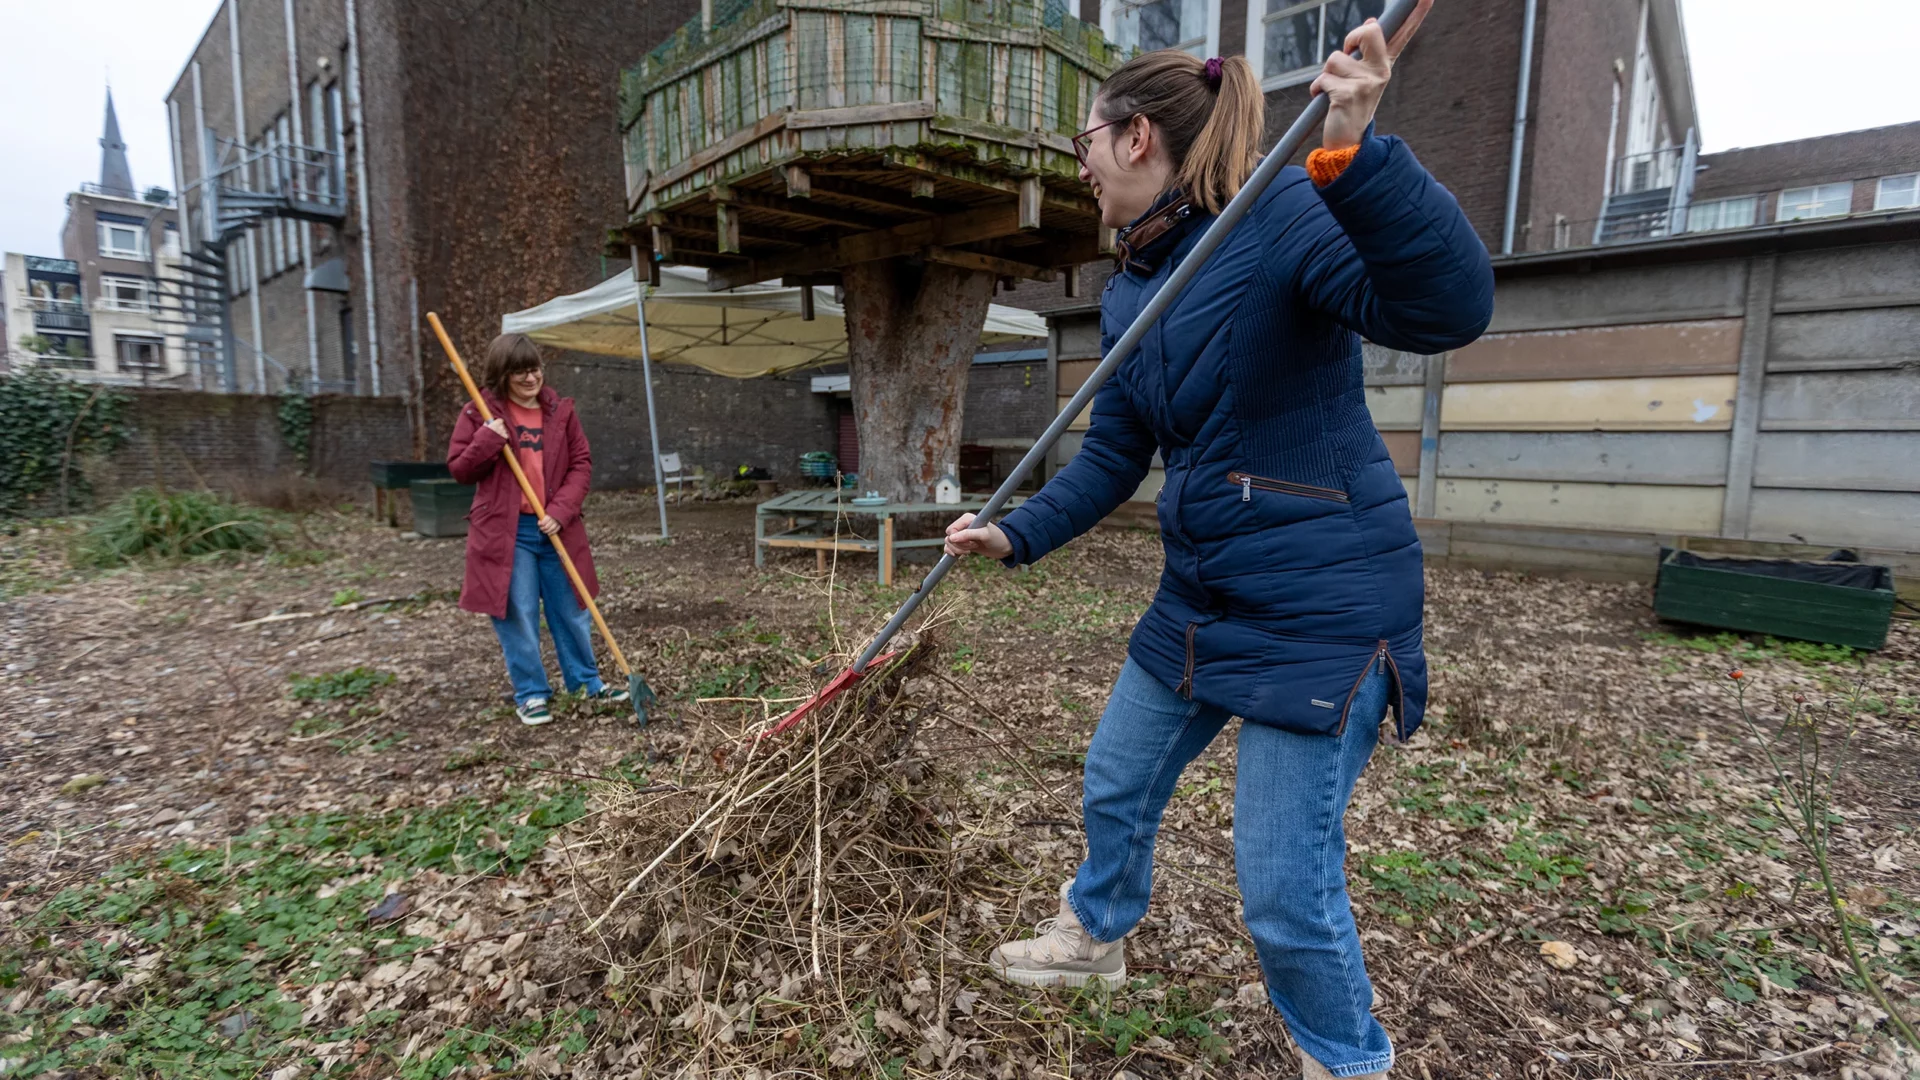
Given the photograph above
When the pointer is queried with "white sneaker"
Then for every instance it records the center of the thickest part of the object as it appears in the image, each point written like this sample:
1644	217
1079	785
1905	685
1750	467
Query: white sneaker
1063	954
533	712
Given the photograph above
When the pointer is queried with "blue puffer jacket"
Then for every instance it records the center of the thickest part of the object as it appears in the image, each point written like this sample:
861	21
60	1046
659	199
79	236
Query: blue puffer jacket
1292	567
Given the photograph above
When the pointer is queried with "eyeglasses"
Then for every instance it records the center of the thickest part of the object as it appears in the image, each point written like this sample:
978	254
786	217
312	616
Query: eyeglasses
1083	142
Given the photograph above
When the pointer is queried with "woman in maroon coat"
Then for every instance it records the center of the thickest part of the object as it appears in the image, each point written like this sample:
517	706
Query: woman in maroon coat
512	569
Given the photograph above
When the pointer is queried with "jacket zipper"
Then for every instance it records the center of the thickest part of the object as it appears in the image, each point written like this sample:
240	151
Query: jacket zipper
1247	482
1380	652
1186	682
1399	706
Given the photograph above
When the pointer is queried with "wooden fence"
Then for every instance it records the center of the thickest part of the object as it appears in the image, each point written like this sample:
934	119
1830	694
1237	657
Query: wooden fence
1746	392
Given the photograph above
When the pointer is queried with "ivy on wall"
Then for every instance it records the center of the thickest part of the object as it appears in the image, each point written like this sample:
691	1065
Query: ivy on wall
296	425
48	425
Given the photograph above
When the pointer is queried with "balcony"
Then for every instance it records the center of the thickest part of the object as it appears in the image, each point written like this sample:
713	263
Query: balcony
155	195
59	316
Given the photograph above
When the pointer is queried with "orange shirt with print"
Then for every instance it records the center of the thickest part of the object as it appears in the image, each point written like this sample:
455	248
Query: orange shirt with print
527	432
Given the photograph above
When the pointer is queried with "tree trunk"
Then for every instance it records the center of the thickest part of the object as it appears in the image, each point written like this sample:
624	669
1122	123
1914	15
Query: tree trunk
912	330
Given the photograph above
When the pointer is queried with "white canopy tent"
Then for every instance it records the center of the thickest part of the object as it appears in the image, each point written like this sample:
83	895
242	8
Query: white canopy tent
742	333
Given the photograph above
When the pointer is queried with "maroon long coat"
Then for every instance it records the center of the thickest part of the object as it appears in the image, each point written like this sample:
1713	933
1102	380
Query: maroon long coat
474	458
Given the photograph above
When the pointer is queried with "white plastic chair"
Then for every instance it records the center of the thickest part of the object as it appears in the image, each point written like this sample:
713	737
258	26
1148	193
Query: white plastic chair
670	473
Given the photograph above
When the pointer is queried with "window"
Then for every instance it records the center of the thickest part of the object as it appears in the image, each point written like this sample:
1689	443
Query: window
1894	192
1736	213
1826	200
1287	41
125	293
1160	24
68	352
140	355
122	239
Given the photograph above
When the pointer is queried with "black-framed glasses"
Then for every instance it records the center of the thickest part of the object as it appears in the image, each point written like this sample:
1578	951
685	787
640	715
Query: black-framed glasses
1083	142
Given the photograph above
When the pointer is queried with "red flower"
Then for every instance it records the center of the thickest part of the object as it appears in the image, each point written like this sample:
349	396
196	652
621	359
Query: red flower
1736	673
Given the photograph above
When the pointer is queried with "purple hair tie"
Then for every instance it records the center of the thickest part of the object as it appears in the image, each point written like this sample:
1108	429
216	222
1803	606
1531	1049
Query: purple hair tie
1214	66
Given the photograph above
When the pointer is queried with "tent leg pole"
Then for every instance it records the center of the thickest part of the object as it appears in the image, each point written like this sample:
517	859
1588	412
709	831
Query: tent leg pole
646	373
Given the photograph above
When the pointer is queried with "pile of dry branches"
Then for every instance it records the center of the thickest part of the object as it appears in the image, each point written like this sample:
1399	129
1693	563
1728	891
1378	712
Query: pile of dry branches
798	901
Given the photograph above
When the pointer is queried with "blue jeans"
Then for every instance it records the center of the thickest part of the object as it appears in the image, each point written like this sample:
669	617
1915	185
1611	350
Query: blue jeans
1290	848
539	578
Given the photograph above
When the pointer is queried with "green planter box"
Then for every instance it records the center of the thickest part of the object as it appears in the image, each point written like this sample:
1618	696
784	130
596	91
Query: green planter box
1839	603
400	474
440	507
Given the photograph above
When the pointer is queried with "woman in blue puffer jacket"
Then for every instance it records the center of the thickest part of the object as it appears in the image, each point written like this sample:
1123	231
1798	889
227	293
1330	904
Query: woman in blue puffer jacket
1292	590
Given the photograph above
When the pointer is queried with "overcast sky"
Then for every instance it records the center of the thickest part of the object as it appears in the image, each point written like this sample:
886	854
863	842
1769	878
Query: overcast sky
1753	72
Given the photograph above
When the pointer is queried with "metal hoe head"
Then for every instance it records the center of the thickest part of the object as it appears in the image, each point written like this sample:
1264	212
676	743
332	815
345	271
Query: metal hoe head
641	695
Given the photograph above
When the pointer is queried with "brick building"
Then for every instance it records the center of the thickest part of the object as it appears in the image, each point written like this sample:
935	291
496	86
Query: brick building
1609	111
348	165
385	159
464	161
1855	172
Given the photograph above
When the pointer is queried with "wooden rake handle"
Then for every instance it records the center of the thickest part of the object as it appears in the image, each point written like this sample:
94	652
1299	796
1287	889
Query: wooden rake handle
533	499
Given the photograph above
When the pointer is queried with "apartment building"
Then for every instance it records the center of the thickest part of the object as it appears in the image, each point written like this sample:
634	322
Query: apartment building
99	312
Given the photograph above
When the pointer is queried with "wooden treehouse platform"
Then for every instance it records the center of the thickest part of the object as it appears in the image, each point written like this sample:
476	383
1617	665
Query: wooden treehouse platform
785	139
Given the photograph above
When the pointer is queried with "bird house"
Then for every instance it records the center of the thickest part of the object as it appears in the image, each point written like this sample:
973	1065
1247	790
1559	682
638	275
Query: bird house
946	490
784	139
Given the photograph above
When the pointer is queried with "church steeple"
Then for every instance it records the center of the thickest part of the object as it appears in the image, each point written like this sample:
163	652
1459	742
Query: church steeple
115	177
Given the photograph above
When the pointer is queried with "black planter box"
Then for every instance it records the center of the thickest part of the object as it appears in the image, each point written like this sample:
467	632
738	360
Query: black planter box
440	507
401	474
1839	603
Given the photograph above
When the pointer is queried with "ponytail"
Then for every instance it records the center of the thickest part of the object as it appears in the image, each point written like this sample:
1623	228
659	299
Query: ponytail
1211	114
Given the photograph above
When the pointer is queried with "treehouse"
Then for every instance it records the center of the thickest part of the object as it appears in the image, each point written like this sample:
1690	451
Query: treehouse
788	139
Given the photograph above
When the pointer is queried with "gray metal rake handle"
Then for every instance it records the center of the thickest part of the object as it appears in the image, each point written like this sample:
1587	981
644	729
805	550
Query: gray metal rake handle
1316	111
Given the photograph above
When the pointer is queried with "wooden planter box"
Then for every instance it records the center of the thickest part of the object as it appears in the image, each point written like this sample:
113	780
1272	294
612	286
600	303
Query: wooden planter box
1839	603
440	507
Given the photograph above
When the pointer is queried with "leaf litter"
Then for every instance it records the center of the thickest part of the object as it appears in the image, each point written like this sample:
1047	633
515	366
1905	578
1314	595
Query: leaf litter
1573	871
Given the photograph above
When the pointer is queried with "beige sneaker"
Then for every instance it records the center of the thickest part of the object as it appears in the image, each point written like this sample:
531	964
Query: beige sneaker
1063	954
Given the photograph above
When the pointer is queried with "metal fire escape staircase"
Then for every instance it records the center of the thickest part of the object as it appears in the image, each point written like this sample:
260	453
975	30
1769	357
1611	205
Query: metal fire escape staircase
246	187
1648	194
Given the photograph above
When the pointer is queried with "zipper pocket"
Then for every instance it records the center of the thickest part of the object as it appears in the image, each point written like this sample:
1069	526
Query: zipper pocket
1186	682
1380	653
1247	482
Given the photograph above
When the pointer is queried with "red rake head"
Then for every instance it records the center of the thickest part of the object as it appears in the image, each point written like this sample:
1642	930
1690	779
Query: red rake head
834	689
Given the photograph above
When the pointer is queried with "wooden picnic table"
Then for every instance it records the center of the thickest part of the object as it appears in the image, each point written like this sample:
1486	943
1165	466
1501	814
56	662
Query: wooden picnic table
807	519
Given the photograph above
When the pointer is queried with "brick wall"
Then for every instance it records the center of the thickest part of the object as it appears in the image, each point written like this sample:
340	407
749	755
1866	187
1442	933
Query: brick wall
711	421
233	442
1006	401
503	202
349	432
1452	99
1571	110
